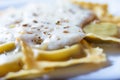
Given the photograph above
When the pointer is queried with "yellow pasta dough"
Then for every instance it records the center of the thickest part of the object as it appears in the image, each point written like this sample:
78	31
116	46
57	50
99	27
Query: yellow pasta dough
7	47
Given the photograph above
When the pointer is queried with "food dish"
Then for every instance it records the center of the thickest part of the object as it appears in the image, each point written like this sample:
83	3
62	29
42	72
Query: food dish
29	59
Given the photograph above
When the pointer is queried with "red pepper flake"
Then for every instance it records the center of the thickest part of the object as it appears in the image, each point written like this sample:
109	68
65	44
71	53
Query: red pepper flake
29	32
39	37
37	40
44	32
66	27
65	31
25	25
58	23
35	21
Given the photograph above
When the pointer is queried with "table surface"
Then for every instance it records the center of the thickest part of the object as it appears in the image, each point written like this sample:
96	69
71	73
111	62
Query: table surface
110	72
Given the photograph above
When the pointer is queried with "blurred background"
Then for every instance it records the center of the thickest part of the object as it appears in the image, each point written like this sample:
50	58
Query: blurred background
113	4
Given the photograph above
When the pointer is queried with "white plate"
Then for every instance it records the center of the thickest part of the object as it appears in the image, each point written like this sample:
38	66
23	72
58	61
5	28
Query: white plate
111	70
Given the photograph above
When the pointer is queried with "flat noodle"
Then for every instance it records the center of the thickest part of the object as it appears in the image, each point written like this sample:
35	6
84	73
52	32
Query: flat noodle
60	54
7	47
10	64
101	10
94	55
98	39
28	59
25	74
102	32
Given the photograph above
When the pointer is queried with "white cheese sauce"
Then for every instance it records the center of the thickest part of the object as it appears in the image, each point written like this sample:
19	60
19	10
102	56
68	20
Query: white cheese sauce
54	26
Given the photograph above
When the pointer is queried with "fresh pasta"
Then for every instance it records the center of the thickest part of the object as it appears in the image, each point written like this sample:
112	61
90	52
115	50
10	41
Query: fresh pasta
35	39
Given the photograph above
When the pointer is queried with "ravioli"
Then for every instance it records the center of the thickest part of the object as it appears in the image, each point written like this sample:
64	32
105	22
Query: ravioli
106	26
102	32
35	68
37	38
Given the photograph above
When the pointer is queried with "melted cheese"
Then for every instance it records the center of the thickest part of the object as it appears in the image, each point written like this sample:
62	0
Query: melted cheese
54	26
